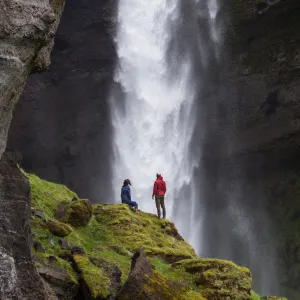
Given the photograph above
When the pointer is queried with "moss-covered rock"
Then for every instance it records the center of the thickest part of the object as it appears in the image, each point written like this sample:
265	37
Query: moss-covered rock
158	237
96	284
97	256
57	228
145	282
77	213
218	279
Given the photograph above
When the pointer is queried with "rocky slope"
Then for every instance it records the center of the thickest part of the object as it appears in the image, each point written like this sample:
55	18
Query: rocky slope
89	251
26	30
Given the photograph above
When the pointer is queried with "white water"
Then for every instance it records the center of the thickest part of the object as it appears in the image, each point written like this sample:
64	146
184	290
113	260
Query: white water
154	122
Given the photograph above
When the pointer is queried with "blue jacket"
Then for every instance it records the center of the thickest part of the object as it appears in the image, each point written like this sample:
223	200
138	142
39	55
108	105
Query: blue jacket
125	193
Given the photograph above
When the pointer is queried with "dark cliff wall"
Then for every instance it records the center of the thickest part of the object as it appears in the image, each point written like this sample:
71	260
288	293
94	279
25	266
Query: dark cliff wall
251	143
61	125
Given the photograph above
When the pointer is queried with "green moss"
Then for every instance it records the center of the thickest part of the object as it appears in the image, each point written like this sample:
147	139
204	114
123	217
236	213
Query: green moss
45	195
217	278
57	228
254	296
113	234
157	237
97	283
78	213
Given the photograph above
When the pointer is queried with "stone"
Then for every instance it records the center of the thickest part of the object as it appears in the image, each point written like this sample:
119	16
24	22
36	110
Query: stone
76	213
145	283
76	250
52	259
39	214
26	42
38	246
60	281
57	228
218	279
18	276
63	244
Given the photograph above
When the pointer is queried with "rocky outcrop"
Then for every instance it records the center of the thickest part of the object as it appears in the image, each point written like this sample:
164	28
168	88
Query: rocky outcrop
26	31
218	279
96	260
61	126
18	276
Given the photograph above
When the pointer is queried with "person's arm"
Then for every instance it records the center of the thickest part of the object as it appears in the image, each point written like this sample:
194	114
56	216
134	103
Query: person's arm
165	187
154	189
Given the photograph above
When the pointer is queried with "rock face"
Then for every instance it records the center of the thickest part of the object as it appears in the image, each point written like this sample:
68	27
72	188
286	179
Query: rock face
250	116
61	126
26	31
18	276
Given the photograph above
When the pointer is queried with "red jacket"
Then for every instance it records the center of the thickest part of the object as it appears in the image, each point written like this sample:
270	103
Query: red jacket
159	188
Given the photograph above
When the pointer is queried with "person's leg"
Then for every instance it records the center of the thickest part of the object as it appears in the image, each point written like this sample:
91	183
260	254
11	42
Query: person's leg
131	203
162	203
134	204
157	202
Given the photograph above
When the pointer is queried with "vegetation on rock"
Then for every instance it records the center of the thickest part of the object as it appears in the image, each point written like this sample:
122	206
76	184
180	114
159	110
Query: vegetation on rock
99	241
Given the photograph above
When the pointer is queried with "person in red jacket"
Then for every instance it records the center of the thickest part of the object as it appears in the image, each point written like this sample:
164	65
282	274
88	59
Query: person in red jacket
159	190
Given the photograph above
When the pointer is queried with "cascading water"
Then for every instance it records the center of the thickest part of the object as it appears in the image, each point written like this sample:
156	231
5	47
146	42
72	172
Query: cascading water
165	48
155	122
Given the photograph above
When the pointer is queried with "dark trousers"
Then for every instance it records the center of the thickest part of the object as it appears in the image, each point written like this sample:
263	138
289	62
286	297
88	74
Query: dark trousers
131	203
160	202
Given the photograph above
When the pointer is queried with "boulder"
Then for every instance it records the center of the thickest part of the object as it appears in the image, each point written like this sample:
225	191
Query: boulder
145	282
65	286
57	228
94	284
76	213
218	279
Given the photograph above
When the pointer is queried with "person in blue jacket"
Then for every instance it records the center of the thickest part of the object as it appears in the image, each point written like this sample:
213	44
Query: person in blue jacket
126	195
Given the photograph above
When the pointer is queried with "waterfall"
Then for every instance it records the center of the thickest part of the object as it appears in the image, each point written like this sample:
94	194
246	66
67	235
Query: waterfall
167	50
153	113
